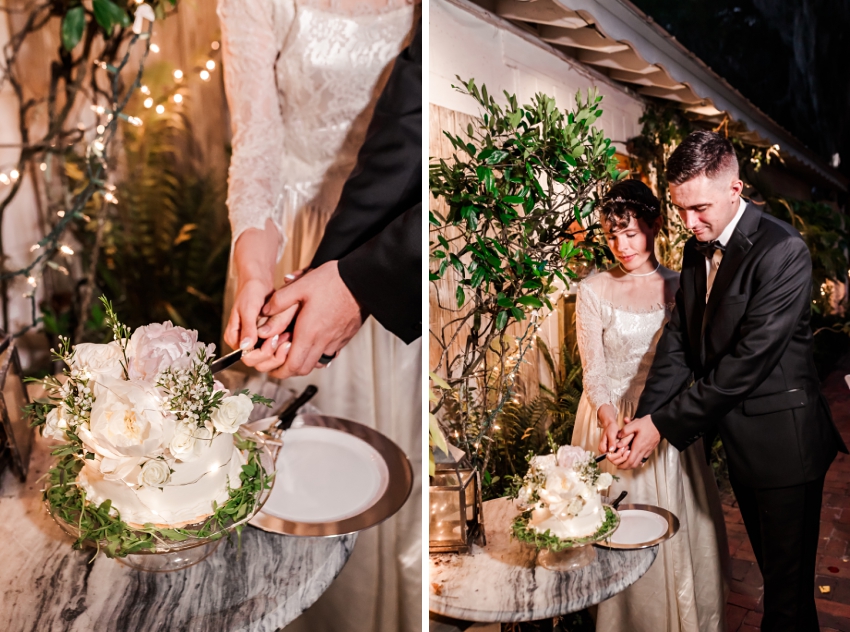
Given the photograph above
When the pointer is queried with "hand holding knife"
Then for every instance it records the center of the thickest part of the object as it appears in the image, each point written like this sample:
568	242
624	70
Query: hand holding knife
233	357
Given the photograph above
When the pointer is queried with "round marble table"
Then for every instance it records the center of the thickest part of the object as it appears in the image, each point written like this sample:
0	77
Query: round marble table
502	582
45	585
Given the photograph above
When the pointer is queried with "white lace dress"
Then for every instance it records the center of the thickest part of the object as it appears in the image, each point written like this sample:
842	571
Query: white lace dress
685	589
302	78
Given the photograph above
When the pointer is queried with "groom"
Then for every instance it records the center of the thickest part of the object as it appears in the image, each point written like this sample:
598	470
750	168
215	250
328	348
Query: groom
736	358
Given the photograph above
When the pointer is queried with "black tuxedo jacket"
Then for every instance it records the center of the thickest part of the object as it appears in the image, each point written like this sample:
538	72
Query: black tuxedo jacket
376	230
742	364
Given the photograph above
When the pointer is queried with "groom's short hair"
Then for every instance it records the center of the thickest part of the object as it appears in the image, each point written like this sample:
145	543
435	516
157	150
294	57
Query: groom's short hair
701	153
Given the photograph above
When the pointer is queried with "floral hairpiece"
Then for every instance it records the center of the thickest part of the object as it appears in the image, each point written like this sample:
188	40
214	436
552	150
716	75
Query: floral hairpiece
630	203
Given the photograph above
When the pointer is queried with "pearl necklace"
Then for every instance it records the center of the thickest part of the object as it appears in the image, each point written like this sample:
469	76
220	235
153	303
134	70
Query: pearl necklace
645	274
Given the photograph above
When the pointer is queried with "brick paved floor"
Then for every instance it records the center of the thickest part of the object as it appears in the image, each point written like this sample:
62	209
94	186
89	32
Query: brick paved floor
744	607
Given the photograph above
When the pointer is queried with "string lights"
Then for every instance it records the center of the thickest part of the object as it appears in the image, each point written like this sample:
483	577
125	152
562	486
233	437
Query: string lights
97	152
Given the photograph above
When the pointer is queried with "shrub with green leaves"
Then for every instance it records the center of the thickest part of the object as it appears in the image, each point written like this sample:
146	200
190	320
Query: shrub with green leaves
518	198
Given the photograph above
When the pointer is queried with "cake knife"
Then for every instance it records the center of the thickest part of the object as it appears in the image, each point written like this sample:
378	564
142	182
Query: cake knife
233	357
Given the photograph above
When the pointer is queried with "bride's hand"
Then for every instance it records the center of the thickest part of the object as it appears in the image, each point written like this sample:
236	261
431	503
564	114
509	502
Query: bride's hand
607	415
241	330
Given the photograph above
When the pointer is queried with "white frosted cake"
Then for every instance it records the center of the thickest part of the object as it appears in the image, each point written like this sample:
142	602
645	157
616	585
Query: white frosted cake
186	499
563	494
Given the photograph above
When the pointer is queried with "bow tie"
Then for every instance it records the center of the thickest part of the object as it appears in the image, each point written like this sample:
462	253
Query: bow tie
708	248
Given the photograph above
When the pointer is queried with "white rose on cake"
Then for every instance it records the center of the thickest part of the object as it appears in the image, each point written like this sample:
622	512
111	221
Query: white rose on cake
183	440
543	464
605	480
126	424
55	425
232	413
155	473
154	348
190	442
99	360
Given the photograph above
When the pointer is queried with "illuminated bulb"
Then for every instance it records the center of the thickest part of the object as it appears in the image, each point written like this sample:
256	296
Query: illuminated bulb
160	108
145	90
14	174
100	129
31	280
496	427
135	120
210	64
98	145
60	213
215	45
4	178
205	75
148	102
178	74
154	48
109	197
66	249
178	98
34	247
43	166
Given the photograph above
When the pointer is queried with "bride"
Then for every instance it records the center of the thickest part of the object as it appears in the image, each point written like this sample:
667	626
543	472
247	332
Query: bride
302	78
619	317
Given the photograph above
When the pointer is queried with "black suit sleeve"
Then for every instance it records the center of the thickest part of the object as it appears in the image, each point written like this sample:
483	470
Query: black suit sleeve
376	231
780	293
670	370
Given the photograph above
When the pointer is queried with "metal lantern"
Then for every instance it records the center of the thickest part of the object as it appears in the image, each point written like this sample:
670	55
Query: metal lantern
17	439
455	515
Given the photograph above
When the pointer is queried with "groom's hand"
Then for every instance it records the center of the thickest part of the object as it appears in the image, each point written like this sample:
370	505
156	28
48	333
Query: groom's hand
644	438
328	318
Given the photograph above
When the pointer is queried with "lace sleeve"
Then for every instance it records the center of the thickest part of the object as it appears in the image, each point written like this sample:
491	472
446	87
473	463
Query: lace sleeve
249	53
591	350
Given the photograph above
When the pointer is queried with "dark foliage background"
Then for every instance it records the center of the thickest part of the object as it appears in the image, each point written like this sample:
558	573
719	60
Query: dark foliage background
789	57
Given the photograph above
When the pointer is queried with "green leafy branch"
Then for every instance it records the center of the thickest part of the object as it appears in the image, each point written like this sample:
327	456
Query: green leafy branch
519	195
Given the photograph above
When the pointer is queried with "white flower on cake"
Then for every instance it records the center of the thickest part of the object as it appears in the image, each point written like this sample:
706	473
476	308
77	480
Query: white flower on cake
183	440
127	423
154	348
156	440
99	360
155	473
190	442
232	413
55	425
561	492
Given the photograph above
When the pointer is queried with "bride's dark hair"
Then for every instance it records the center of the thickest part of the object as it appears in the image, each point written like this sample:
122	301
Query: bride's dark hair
627	199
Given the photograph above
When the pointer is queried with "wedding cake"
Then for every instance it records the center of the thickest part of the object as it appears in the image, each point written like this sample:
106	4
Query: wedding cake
151	431
562	493
184	495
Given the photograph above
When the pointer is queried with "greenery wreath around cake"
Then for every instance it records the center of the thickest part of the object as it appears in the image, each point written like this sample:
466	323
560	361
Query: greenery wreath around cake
560	501
152	458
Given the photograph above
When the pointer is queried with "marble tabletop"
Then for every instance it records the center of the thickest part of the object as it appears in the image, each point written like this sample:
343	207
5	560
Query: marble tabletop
502	581
45	585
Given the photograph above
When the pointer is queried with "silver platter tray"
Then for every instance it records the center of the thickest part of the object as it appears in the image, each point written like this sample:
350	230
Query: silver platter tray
399	481
669	517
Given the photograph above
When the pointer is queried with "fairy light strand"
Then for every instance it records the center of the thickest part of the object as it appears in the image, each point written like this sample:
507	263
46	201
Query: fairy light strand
96	160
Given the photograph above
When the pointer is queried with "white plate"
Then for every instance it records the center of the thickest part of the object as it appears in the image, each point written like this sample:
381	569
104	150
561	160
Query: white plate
325	475
334	476
638	526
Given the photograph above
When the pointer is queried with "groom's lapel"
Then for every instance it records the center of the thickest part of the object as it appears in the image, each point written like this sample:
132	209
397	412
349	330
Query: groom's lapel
737	248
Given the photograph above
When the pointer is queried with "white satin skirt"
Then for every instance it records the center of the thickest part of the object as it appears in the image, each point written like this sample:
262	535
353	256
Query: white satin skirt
686	587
